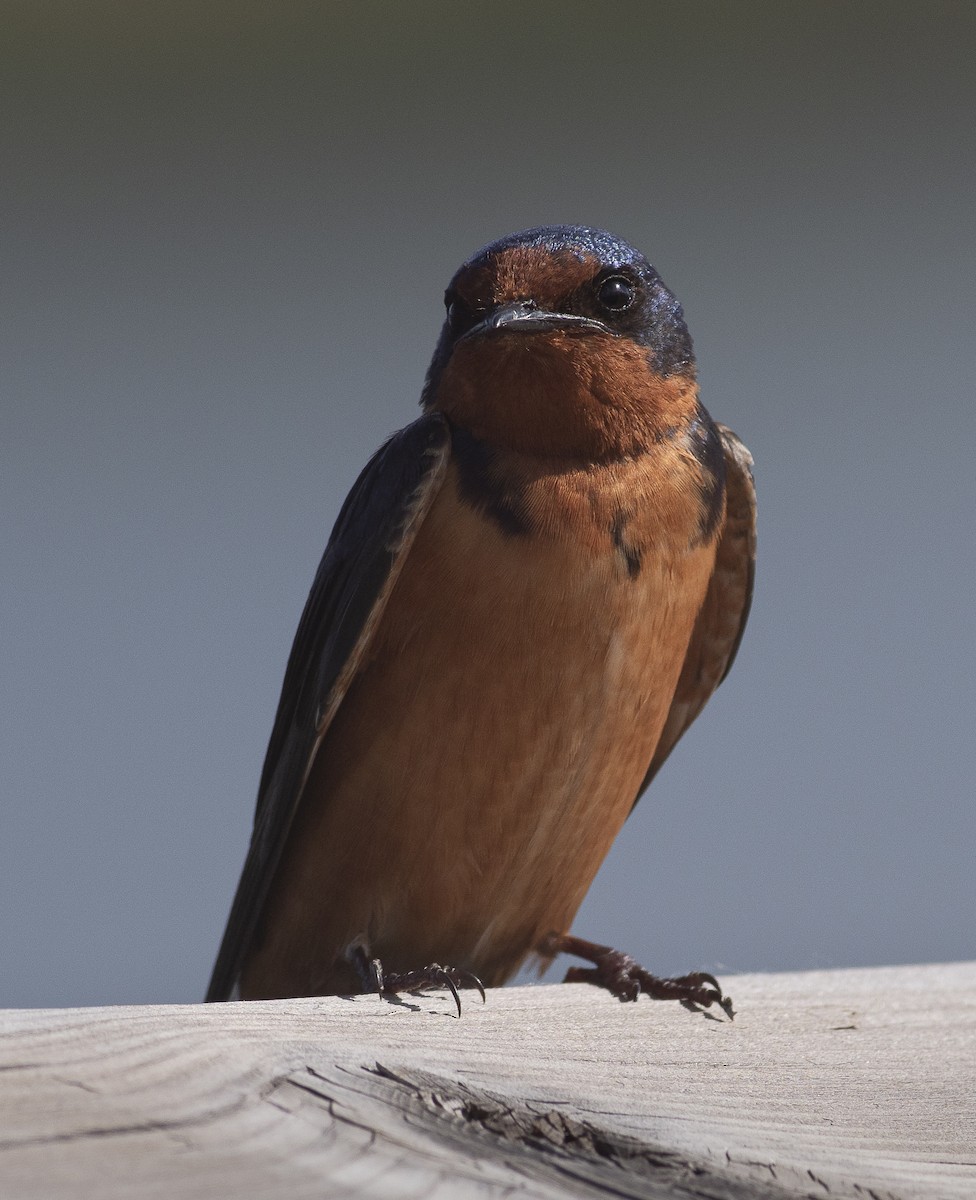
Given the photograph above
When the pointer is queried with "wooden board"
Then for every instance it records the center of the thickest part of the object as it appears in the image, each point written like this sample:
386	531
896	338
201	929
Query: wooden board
843	1083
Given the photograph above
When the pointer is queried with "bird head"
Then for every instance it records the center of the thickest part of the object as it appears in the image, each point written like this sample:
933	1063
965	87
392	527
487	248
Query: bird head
562	340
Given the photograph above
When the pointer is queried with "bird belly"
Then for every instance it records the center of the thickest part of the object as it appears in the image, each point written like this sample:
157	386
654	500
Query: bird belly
487	752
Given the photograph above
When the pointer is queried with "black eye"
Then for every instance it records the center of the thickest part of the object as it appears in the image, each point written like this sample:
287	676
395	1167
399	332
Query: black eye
459	314
616	293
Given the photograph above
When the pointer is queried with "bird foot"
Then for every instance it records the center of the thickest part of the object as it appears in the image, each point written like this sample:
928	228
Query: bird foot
390	983
626	979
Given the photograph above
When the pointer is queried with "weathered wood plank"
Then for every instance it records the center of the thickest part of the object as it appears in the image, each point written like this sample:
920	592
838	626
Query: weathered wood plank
845	1083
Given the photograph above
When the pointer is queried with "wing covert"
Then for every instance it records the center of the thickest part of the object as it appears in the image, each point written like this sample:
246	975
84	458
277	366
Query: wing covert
372	535
722	619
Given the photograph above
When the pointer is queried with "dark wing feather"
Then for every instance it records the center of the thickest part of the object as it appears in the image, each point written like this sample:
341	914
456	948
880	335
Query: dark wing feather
722	620
371	537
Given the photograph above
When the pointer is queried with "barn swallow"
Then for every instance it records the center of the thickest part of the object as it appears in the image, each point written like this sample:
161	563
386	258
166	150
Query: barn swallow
528	596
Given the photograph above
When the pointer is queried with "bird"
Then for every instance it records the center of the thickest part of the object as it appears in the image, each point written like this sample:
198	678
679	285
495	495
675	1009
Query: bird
529	594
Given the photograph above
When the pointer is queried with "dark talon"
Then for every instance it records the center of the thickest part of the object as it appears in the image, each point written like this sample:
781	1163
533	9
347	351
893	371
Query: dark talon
468	978
372	977
445	978
626	979
475	982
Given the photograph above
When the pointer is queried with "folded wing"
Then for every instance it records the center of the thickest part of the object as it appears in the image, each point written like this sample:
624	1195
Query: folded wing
371	537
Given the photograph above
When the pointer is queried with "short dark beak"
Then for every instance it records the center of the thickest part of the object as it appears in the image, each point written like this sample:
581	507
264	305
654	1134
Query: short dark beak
523	316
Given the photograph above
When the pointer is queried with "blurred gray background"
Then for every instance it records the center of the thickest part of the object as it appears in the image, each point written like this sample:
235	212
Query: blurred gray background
225	234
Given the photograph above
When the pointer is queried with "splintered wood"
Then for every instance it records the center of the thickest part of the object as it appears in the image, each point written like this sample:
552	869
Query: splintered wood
829	1084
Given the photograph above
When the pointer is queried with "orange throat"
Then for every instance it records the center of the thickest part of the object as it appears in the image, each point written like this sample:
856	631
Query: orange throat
587	397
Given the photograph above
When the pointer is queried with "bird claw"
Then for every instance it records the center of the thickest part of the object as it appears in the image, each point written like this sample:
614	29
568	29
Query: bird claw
625	978
388	983
433	975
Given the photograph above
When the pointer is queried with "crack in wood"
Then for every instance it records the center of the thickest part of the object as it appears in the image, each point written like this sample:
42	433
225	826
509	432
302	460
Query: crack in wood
465	1126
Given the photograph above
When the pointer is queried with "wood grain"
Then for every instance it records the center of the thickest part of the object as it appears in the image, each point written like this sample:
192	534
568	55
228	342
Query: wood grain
844	1083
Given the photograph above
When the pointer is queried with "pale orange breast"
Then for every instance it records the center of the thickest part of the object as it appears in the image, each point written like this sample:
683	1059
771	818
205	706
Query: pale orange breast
492	745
